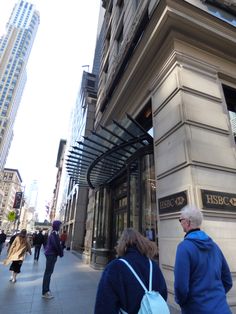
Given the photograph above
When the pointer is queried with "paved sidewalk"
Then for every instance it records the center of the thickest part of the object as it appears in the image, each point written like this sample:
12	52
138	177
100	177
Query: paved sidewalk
73	285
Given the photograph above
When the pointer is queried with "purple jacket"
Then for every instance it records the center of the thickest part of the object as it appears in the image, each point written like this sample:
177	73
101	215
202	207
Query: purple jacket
53	246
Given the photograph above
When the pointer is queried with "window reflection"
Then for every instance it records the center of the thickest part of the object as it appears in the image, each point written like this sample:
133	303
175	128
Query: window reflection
149	211
134	196
101	221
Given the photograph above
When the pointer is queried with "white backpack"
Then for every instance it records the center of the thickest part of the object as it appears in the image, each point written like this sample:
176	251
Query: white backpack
152	302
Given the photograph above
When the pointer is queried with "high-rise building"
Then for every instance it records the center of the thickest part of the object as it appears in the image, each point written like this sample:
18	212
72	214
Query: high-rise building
59	165
10	188
32	194
73	197
15	47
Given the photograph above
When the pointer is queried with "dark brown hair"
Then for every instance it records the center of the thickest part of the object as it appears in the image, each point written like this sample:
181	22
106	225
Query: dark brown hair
22	237
130	237
23	233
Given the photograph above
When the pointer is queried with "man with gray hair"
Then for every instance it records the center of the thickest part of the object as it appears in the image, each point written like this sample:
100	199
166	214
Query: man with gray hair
202	275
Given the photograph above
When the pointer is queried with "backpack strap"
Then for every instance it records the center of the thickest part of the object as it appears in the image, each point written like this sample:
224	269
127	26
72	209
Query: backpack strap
136	275
150	275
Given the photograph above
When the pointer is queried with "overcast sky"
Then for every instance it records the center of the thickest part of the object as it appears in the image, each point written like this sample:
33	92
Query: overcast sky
65	41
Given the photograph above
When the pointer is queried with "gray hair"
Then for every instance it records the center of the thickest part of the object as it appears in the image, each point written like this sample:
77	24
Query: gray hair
193	214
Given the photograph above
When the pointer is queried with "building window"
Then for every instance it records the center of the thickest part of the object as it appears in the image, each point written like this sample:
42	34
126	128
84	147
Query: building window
136	3
91	83
230	98
120	23
119	39
120	4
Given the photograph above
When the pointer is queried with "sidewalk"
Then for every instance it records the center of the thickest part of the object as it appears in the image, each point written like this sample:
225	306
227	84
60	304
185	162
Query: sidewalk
73	285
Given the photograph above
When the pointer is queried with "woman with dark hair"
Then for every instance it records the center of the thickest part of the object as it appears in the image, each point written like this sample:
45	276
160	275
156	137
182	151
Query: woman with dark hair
16	254
118	288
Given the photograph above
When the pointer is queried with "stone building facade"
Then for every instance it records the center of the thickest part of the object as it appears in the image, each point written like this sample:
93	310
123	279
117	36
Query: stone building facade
170	65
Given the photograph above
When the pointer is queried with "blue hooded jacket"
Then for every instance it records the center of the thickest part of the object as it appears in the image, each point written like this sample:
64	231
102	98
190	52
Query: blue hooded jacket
202	276
53	246
118	288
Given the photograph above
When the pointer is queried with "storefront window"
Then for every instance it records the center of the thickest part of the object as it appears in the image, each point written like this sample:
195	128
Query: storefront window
101	223
130	202
134	196
148	190
121	223
120	208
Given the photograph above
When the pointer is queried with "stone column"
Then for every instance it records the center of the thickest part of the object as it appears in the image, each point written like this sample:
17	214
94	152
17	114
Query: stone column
194	157
89	227
80	215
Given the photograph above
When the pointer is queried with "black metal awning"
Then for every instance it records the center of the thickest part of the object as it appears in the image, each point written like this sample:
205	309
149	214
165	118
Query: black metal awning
101	156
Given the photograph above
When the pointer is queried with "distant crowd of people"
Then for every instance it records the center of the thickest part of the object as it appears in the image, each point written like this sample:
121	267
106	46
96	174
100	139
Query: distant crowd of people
20	244
202	277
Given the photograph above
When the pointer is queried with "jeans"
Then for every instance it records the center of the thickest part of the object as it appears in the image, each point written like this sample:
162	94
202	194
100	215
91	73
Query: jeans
1	247
63	244
50	263
37	248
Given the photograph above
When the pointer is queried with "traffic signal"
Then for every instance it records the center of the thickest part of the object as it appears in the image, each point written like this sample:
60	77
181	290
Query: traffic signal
17	201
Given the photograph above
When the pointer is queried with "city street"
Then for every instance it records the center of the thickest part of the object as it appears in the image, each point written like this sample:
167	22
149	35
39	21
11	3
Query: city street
73	285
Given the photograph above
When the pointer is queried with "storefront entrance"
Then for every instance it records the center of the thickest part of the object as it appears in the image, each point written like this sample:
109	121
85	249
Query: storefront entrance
134	199
128	201
117	162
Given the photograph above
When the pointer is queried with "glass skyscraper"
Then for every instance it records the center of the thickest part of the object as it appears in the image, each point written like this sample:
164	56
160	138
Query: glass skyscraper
15	47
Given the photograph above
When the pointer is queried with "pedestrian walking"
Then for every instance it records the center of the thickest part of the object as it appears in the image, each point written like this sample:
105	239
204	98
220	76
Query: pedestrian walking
118	288
38	241
45	235
16	254
202	275
53	249
63	239
30	239
3	237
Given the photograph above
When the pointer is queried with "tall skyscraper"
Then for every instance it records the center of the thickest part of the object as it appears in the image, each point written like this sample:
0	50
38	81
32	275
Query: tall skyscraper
15	47
32	194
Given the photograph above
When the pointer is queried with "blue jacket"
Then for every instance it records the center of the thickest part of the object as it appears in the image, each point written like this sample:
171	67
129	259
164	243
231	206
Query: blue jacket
53	246
202	276
118	288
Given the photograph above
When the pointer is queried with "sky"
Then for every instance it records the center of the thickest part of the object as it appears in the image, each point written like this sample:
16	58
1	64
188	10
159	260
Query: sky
64	43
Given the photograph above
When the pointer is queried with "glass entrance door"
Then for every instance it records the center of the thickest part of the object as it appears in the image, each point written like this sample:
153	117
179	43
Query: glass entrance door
134	199
120	223
120	209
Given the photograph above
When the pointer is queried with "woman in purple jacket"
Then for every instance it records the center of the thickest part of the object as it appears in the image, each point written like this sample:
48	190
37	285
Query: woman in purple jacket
53	249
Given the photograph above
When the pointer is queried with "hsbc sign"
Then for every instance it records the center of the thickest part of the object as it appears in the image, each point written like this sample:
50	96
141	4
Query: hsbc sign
172	203
218	200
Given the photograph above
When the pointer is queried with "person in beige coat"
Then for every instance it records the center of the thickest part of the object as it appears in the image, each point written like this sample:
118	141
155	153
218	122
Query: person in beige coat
16	254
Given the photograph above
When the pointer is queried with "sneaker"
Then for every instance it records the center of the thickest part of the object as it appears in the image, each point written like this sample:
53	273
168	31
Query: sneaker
13	280
47	295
